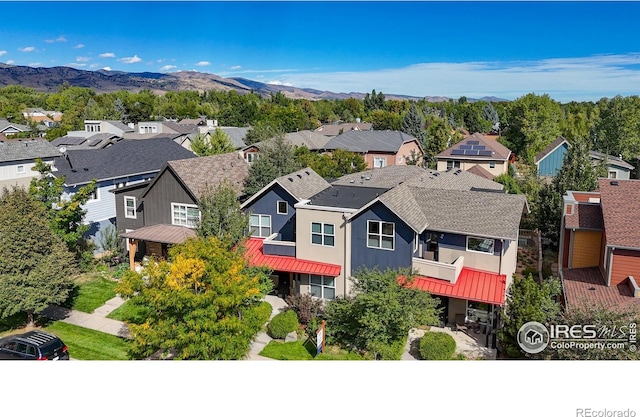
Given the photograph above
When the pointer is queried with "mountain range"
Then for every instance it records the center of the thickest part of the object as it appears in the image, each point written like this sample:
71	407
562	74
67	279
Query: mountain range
101	81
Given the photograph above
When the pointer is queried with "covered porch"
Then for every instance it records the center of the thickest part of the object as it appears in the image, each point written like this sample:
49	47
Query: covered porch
156	240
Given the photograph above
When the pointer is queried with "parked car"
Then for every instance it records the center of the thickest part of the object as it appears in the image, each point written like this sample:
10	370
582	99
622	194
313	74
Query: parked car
35	345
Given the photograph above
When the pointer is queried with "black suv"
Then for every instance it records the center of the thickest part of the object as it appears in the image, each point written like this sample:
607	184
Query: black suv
34	345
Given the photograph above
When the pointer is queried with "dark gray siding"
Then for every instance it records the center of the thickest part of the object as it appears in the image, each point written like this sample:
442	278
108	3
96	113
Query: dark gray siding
157	203
123	223
283	224
279	250
459	242
362	256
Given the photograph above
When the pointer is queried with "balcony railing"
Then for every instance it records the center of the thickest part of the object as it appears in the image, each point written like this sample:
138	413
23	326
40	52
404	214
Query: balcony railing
441	270
278	247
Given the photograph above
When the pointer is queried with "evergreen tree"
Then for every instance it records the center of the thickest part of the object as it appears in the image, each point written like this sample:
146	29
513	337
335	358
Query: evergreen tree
217	143
577	172
413	123
35	266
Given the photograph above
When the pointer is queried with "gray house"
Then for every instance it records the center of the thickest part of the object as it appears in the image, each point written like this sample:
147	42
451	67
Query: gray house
17	158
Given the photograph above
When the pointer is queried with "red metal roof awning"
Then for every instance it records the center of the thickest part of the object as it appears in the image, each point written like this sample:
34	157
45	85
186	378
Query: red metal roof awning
256	257
472	285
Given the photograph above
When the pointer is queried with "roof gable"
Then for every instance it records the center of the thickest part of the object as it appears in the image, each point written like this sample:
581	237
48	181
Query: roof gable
370	141
549	149
477	146
621	211
24	149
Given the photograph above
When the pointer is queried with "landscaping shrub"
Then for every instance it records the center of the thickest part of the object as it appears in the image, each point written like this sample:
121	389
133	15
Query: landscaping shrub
120	269
437	346
305	306
283	324
529	271
389	352
256	317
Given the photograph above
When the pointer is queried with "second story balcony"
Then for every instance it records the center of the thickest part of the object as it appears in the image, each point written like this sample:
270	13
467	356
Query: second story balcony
274	246
441	270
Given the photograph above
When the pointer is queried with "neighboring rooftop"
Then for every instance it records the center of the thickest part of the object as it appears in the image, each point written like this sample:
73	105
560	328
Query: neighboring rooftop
586	287
336	129
477	146
585	216
546	151
388	141
303	184
5	125
611	160
124	158
310	139
25	149
621	211
236	134
97	141
346	196
162	233
481	172
181	128
209	171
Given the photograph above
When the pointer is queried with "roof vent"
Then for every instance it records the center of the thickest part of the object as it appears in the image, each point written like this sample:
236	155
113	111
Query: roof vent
85	169
290	179
307	172
614	183
352	181
367	178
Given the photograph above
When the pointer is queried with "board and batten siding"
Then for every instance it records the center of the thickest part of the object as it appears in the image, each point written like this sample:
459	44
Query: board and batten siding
164	191
551	164
124	223
283	224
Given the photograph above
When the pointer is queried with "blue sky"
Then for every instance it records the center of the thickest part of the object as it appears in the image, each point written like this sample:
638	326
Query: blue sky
570	50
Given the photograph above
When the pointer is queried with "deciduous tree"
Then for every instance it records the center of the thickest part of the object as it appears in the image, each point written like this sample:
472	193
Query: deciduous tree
277	158
221	216
216	143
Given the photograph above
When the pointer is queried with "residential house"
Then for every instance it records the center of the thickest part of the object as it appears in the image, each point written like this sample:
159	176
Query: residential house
380	148
336	129
18	157
95	141
478	154
599	246
9	129
125	162
310	139
550	160
164	212
458	232
46	117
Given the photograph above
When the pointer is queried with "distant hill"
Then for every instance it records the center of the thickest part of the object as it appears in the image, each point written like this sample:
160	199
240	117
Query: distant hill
103	81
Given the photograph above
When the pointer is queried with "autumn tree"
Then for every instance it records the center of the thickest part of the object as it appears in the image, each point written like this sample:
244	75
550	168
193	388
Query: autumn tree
221	216
200	302
35	265
215	143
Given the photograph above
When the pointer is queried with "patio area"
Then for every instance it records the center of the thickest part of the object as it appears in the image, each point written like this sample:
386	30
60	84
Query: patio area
468	343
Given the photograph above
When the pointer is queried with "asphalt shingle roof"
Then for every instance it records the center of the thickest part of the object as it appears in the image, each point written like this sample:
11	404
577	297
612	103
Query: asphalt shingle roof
308	138
209	171
612	160
546	151
303	184
621	211
97	141
585	216
500	152
369	141
4	124
23	149
236	134
124	158
333	130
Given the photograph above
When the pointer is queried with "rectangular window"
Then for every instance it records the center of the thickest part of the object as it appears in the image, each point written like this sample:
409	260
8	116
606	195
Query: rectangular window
380	235
613	174
379	162
322	234
130	207
479	244
322	287
453	164
185	215
260	225
251	157
95	196
21	169
283	208
492	164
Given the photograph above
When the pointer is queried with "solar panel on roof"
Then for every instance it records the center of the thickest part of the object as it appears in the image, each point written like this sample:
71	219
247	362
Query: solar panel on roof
95	143
473	142
485	153
466	146
471	152
478	147
458	152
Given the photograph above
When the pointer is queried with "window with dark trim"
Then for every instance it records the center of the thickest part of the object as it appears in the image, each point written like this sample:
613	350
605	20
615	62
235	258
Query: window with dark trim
322	234
283	207
380	235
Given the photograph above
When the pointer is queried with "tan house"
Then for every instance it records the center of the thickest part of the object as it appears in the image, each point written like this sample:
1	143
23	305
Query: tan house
380	148
477	154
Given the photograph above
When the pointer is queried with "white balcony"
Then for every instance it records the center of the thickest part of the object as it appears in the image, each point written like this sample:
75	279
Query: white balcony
441	270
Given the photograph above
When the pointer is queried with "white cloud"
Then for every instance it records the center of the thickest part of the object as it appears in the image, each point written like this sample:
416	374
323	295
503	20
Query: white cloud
3	53
76	64
35	64
203	63
235	67
130	59
168	68
49	40
79	46
10	62
27	49
107	55
107	68
276	82
61	38
83	59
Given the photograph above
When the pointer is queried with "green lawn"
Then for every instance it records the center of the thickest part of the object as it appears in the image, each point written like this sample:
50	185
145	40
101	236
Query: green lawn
87	344
91	291
129	313
304	350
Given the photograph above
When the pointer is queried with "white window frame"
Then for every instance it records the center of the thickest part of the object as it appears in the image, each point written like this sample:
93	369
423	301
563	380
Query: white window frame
286	207
379	162
614	176
322	234
21	169
493	245
251	157
322	286
126	215
454	164
380	235
492	164
179	206
95	196
260	226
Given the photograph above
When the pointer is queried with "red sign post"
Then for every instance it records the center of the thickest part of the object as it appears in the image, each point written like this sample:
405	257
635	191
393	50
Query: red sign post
320	338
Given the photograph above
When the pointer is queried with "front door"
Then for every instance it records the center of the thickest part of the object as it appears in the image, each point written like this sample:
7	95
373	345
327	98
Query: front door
284	284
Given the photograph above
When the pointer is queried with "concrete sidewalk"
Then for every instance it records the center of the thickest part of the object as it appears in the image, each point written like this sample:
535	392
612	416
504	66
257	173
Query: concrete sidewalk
95	321
262	339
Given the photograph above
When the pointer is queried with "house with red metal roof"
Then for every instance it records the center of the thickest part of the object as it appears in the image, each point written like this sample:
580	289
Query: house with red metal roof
600	245
457	232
